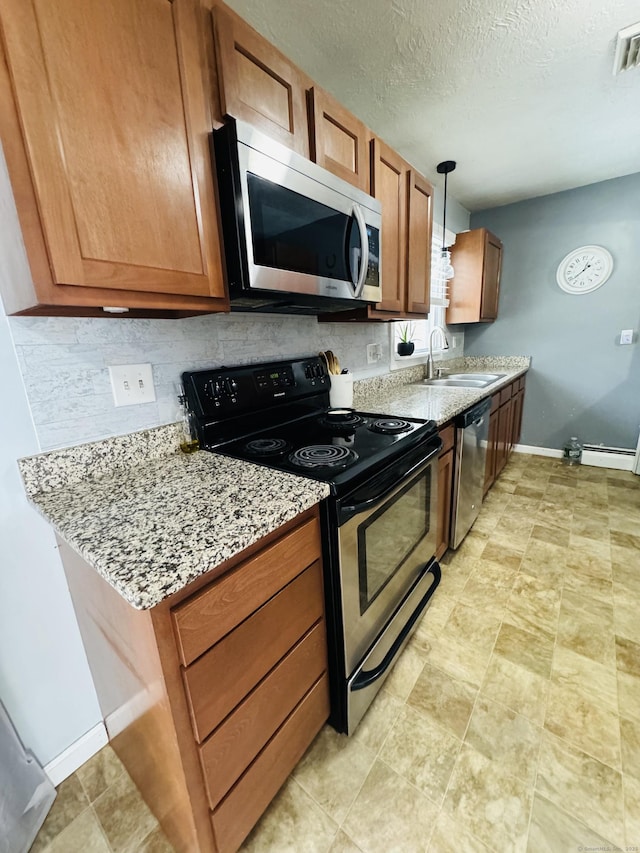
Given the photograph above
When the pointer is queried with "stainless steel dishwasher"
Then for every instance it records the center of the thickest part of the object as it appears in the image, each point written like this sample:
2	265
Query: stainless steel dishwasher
472	432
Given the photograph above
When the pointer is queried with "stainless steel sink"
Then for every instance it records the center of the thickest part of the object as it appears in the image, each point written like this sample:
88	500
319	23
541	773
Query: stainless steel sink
457	383
465	380
488	377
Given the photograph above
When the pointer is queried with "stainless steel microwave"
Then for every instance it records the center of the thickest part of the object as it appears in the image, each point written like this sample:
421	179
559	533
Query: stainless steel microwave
297	239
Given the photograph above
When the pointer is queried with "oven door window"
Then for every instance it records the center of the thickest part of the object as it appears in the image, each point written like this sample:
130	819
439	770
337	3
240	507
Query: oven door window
389	536
292	232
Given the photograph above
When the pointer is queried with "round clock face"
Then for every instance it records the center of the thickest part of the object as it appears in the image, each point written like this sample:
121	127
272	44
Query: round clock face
585	269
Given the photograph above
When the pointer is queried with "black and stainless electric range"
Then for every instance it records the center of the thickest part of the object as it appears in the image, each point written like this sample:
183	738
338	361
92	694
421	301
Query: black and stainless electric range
378	525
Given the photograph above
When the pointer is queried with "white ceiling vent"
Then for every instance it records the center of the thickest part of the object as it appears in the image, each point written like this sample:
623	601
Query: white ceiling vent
627	49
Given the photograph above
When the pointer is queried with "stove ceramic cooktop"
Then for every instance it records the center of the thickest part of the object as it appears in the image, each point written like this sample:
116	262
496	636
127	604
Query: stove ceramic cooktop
335	446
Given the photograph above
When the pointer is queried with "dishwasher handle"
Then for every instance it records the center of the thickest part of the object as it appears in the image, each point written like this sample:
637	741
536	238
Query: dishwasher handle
474	415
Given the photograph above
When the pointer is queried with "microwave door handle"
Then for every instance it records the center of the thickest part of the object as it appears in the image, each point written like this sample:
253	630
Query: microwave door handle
364	241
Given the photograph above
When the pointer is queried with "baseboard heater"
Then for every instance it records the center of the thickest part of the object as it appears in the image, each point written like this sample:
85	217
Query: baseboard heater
608	457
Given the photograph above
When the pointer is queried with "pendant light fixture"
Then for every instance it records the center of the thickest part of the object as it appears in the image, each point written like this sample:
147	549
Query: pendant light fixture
445	168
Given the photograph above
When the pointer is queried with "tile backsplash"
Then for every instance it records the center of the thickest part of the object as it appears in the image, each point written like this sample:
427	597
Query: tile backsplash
64	362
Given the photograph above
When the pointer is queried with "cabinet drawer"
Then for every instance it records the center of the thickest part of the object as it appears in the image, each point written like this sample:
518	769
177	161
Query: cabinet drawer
448	435
243	805
505	395
520	381
495	403
209	615
235	743
222	677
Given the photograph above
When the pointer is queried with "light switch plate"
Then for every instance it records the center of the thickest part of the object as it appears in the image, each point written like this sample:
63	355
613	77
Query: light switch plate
626	337
132	384
374	353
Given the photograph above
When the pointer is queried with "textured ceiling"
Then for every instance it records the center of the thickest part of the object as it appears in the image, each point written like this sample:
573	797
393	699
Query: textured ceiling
520	93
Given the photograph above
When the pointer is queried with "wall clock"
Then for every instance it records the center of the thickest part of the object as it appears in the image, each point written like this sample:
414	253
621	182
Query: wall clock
585	269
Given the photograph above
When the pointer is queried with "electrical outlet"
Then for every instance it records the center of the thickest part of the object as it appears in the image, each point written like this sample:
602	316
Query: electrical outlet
132	384
626	337
374	353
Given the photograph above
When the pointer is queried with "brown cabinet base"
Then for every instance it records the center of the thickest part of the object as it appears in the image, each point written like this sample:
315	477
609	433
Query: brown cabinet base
505	425
139	676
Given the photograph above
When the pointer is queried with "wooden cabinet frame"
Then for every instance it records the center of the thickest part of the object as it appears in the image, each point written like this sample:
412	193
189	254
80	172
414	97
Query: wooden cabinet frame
474	291
137	660
50	198
339	141
505	426
258	84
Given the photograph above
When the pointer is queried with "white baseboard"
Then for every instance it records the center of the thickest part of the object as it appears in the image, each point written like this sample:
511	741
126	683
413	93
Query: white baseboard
74	756
537	451
599	459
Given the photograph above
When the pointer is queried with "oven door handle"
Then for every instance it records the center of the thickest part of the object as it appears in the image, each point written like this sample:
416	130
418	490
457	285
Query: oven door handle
356	509
365	678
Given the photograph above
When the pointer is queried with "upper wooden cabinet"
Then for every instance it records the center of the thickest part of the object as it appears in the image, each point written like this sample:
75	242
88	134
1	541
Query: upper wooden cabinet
339	141
407	226
389	185
258	84
104	120
474	290
419	231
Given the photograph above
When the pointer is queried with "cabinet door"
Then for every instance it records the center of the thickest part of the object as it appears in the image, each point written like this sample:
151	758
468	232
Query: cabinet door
492	449
258	84
445	488
339	141
518	402
504	435
491	277
477	259
389	186
419	230
114	120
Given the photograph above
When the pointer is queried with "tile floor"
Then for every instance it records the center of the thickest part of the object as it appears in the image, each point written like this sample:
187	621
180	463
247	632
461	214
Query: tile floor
510	723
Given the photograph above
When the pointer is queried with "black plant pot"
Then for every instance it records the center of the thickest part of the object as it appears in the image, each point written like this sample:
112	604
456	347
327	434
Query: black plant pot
406	348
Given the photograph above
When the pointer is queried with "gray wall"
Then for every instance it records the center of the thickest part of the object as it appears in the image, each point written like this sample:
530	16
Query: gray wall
582	381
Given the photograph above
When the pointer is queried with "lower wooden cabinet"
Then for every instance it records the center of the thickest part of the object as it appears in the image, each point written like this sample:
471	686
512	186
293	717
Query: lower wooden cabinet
504	435
518	405
445	488
505	426
492	444
212	697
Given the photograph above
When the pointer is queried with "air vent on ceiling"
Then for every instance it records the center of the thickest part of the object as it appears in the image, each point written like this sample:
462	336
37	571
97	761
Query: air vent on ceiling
627	49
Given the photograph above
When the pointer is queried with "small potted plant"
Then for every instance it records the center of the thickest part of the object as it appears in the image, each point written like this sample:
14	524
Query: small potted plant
406	345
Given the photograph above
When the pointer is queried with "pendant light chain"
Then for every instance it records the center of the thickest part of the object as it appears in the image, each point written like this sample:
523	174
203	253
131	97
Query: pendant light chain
443	169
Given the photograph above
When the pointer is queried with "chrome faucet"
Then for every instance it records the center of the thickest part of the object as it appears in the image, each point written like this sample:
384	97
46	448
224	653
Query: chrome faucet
445	345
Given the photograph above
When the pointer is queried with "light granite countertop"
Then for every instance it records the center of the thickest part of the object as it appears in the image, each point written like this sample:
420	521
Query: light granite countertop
150	520
152	529
441	404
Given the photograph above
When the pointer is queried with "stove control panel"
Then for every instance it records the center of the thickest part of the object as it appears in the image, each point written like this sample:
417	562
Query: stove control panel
274	379
227	392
